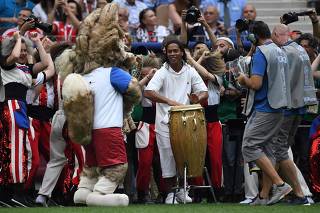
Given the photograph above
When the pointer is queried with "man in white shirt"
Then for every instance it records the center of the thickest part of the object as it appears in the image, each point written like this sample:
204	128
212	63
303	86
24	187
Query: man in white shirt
175	83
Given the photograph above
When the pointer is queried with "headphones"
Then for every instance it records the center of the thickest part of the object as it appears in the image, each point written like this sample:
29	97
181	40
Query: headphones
253	38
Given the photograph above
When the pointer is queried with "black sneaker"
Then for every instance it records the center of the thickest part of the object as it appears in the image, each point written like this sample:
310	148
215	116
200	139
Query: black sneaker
299	201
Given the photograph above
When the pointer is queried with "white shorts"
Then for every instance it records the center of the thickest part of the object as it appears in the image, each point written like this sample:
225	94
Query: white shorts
168	164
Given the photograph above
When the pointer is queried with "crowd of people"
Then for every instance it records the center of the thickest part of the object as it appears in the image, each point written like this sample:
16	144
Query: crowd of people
257	86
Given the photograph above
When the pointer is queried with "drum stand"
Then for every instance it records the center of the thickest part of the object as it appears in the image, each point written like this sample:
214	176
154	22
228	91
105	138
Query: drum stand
194	187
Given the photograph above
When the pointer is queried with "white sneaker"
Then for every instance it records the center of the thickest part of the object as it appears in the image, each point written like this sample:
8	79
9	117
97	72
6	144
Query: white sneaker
247	201
180	197
311	201
169	199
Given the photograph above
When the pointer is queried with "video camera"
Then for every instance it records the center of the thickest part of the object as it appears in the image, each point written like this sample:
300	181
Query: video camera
193	14
47	28
243	24
290	17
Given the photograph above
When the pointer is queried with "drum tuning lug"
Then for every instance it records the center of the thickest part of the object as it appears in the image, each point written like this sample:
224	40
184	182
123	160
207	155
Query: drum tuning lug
195	124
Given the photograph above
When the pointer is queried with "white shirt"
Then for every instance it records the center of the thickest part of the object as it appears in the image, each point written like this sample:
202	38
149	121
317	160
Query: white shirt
108	103
175	86
214	91
19	74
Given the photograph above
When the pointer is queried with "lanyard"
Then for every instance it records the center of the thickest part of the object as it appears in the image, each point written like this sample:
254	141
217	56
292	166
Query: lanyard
68	36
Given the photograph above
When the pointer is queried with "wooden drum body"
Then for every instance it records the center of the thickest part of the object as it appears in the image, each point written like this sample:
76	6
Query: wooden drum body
188	138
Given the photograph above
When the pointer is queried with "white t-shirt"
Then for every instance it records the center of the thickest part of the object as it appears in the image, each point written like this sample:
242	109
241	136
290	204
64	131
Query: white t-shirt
214	91
108	85
175	86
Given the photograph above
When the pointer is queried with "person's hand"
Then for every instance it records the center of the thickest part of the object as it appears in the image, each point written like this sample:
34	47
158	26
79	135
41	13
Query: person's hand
47	43
151	73
183	16
206	54
188	54
194	98
222	90
59	3
27	25
241	79
35	37
66	9
173	103
202	21
313	16
16	35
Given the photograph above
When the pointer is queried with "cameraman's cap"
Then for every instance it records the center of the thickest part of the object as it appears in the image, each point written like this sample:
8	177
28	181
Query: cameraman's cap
227	40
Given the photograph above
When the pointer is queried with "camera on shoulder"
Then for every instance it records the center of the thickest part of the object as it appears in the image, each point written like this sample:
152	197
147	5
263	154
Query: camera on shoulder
38	24
192	15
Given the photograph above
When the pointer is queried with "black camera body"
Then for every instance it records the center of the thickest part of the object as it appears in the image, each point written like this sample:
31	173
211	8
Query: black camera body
192	15
47	28
243	24
291	17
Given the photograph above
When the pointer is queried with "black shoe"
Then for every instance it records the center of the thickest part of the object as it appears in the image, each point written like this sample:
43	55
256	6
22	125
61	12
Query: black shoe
299	201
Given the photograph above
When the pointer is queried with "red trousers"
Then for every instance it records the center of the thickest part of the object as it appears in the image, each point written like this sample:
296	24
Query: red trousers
38	140
214	150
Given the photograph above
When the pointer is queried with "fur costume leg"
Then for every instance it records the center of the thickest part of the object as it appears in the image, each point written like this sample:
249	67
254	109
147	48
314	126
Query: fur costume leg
106	185
88	180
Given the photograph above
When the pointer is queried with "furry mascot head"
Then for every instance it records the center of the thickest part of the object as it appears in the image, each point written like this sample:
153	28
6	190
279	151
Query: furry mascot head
100	42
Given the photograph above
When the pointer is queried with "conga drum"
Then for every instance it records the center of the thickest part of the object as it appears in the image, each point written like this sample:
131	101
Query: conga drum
188	138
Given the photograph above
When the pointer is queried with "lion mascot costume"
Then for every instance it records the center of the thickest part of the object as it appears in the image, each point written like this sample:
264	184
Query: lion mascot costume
98	96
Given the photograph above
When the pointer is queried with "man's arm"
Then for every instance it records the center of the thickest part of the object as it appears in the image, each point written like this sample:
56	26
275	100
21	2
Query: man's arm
156	97
254	82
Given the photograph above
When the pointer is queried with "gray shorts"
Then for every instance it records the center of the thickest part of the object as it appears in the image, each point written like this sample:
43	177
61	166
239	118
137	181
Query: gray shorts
260	129
285	137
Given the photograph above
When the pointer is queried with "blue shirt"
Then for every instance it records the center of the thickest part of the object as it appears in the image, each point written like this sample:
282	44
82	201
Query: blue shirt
9	8
244	38
259	67
120	79
235	8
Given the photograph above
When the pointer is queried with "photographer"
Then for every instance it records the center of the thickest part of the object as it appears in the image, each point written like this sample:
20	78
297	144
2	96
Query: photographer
25	26
240	32
66	28
199	27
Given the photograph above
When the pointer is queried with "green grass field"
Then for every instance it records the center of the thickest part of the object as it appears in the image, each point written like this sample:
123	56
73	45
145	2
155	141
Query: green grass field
194	208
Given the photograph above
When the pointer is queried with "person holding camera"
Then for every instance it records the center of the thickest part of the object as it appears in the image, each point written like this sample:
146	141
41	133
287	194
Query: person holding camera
264	107
66	26
242	28
16	73
25	25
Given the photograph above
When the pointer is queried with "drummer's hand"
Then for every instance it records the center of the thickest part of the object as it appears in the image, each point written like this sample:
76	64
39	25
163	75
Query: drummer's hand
173	103
194	99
